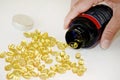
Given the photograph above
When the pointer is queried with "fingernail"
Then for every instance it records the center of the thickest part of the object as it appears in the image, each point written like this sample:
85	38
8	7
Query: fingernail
105	44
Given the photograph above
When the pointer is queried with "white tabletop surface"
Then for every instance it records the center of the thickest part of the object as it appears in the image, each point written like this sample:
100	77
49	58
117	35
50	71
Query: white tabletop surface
48	16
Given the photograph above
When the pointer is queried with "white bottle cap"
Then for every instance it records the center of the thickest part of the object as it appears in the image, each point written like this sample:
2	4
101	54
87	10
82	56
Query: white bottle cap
22	22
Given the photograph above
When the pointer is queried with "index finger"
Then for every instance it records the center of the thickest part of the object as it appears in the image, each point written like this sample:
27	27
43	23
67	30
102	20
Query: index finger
81	6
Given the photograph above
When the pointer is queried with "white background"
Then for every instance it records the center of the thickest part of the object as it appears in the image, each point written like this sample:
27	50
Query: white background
48	16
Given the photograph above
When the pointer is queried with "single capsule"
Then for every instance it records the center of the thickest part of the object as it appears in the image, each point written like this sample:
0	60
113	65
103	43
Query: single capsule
43	76
11	47
10	53
80	73
77	56
26	75
48	61
35	38
58	59
23	43
17	72
16	78
45	35
41	67
61	46
34	74
74	69
19	47
62	54
9	75
2	55
66	57
53	68
16	66
52	41
30	67
27	34
44	57
37	32
9	59
8	67
51	73
47	41
61	70
73	64
45	71
66	66
81	62
55	53
83	69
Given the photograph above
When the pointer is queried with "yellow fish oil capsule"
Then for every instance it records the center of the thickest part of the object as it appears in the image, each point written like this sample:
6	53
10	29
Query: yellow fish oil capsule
9	75
44	76
8	67
2	55
77	55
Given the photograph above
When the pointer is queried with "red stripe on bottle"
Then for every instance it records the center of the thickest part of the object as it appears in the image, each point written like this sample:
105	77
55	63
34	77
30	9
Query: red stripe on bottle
94	20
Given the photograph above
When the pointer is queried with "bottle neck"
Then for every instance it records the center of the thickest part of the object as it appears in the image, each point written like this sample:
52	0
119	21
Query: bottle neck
77	36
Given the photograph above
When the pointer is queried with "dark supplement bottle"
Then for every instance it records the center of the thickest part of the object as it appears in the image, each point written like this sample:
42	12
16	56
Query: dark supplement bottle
85	30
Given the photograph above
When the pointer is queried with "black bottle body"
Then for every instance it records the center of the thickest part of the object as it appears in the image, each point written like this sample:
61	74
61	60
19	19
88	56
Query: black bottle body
86	29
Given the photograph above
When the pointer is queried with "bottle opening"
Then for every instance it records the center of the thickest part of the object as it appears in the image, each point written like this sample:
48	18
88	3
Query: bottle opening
74	38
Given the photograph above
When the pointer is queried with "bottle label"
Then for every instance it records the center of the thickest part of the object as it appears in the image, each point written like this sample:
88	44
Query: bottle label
94	20
100	15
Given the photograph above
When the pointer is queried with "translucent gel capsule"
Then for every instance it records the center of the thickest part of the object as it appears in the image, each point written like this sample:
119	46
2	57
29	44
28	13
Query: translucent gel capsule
16	78
16	66
10	53
77	55
51	73
55	53
27	75
43	76
11	47
45	35
23	43
33	74
27	34
81	62
58	59
79	73
44	71
8	67
74	69
53	68
10	75
2	55
62	54
17	72
52	41
61	45
48	61
61	70
9	59
73	64
66	66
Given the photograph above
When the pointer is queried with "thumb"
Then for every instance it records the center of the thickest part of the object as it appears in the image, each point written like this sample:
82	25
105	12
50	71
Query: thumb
109	33
79	7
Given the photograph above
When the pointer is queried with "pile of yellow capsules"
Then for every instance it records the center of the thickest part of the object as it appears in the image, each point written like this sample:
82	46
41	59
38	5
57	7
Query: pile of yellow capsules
30	58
